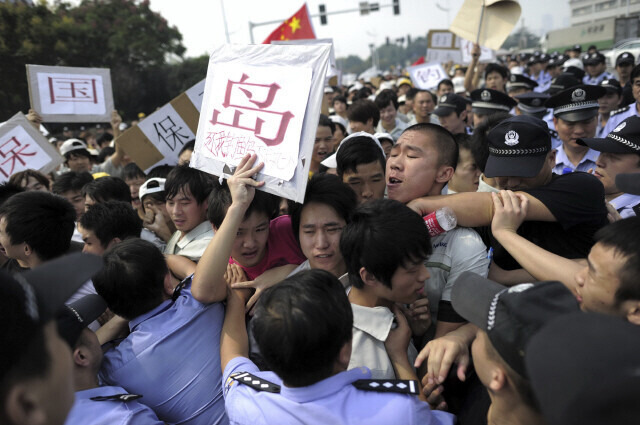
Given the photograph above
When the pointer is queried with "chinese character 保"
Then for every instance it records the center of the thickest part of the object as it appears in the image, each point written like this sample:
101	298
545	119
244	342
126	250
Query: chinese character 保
167	132
10	153
72	90
263	115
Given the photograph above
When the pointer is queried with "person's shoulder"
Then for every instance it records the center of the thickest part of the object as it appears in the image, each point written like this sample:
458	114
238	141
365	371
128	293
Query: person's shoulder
620	111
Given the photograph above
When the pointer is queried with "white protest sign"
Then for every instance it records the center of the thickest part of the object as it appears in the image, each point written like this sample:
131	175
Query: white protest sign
195	94
443	46
168	132
486	54
427	76
23	147
68	94
262	99
444	55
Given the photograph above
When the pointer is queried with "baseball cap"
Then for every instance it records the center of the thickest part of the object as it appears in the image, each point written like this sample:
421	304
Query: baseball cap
532	103
518	147
576	103
623	139
583	369
625	58
510	315
593	58
73	318
449	103
577	48
31	299
518	81
384	136
562	82
402	81
611	85
72	145
332	162
629	183
148	187
489	101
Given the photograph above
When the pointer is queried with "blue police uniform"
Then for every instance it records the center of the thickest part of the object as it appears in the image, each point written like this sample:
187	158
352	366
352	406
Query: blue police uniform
594	81
172	356
564	165
109	406
555	141
334	400
618	116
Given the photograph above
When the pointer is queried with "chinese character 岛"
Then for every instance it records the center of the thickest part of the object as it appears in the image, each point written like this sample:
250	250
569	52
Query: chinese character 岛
251	92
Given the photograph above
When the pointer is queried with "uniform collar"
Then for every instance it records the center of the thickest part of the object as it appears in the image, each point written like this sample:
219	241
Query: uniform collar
201	228
624	200
326	387
99	391
376	321
562	158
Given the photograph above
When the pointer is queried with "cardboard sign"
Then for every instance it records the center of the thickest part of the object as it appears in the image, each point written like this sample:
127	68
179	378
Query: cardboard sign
443	46
68	94
486	54
158	138
23	147
427	76
262	99
488	21
195	94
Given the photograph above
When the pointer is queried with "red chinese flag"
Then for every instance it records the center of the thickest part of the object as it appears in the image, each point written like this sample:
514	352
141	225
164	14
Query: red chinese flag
419	61
297	27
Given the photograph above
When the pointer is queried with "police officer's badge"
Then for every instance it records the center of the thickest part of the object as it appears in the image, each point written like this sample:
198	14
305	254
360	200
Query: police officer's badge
620	127
443	98
511	138
536	102
485	95
578	95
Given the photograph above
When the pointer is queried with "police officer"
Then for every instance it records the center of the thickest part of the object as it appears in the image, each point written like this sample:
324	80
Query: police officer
485	102
575	115
609	102
532	104
623	113
596	68
519	84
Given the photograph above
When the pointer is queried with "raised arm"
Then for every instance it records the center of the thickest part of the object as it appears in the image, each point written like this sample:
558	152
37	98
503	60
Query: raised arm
510	210
118	156
234	341
209	284
471	69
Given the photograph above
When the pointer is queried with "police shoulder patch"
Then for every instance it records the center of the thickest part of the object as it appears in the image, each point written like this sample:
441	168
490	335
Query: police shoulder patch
255	382
117	397
619	111
400	386
553	133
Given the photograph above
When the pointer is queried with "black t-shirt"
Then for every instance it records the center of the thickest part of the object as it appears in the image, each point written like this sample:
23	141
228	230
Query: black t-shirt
576	200
627	96
12	266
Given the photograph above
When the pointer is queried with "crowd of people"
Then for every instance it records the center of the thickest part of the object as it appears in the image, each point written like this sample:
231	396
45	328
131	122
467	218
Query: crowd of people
468	254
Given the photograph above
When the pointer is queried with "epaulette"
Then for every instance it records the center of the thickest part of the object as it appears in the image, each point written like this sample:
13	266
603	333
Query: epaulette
400	386
553	133
618	111
636	210
255	382
117	397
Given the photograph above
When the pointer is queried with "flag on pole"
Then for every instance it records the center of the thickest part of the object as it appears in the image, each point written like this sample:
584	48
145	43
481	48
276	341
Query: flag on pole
297	27
420	61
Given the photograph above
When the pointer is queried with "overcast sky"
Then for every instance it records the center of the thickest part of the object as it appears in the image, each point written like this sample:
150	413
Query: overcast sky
201	24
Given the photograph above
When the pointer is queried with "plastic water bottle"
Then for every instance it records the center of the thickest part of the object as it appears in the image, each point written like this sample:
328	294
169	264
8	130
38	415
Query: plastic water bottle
440	221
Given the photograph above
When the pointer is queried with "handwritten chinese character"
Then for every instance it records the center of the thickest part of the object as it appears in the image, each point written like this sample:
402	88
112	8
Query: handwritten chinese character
74	89
238	91
10	153
167	132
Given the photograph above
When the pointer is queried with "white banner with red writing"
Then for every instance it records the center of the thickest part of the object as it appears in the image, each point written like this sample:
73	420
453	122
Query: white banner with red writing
262	99
70	94
427	76
23	147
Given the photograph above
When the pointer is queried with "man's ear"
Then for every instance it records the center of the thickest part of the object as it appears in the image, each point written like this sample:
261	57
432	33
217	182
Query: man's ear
444	174
27	249
631	310
21	405
80	357
367	277
113	242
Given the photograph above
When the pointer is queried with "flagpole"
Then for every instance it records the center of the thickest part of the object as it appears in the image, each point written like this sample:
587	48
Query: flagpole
224	20
480	25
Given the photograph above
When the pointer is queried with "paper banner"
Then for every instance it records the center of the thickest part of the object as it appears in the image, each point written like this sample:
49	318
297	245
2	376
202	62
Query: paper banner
443	46
499	18
262	99
158	138
195	94
68	94
427	76
23	147
486	54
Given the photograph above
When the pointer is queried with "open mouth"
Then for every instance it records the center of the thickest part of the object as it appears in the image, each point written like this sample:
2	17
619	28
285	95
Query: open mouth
250	254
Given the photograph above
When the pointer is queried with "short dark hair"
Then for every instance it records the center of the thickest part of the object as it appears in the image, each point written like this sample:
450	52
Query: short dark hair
434	98
42	220
622	236
374	227
329	190
132	279
299	341
480	141
358	150
105	152
161	171
189	146
104	137
635	72
71	181
324	121
77	152
463	140
444	81
132	171
445	143
339	98
220	200
107	189
184	177
112	219
363	110
23	177
411	93
386	97
158	196
7	190
496	67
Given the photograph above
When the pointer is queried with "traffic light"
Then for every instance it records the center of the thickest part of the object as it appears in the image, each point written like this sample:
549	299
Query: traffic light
323	14
396	7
